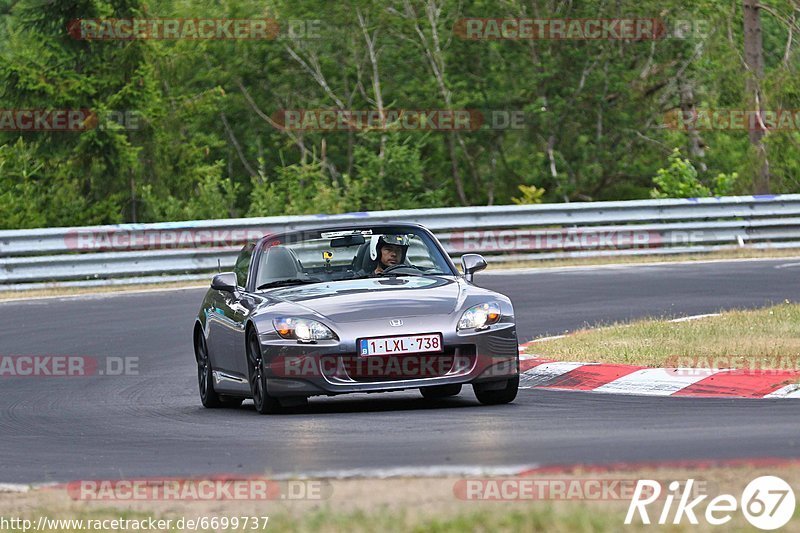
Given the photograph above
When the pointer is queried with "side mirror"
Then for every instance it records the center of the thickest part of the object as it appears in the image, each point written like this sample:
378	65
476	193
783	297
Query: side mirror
471	263
225	282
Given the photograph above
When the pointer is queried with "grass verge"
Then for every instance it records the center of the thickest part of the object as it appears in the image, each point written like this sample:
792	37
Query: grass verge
428	505
54	292
761	338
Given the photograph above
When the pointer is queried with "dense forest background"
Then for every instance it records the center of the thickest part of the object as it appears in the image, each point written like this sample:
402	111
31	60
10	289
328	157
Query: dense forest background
204	145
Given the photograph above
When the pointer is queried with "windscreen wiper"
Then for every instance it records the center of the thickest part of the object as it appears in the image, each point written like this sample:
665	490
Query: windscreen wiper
286	283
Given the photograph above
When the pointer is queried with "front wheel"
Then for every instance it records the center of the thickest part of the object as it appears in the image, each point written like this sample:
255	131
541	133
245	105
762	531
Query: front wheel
264	403
205	378
490	394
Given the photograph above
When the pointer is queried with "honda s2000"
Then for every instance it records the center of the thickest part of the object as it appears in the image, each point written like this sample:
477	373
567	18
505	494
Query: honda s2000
368	308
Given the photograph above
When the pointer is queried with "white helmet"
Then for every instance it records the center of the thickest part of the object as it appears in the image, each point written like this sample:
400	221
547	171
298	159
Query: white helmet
377	241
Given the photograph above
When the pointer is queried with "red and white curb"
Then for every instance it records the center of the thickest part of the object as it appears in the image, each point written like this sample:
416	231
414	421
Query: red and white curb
637	380
538	373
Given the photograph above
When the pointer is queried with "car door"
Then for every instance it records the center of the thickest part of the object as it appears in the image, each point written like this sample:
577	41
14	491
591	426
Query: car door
231	316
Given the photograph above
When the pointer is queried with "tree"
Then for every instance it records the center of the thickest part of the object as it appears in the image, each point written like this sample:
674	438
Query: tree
754	66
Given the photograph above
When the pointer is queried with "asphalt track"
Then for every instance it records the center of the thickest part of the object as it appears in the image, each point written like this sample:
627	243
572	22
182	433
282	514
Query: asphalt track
152	424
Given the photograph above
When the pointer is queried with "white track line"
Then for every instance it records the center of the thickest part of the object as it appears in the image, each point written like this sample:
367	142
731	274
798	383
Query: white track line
545	372
787	265
656	381
6	488
13	487
545	339
405	472
524	346
693	317
789	391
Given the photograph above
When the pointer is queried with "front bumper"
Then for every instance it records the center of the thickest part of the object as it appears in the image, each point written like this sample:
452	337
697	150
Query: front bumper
334	367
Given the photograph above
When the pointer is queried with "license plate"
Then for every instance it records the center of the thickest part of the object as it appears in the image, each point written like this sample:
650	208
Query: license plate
425	343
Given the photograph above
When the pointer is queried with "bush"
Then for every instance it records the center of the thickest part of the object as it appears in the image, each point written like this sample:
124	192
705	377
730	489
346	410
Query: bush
299	189
680	180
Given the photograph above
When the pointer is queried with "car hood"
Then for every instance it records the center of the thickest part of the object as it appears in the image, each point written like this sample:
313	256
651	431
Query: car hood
375	298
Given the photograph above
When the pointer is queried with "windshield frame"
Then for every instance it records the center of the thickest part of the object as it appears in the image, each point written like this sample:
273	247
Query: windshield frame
302	235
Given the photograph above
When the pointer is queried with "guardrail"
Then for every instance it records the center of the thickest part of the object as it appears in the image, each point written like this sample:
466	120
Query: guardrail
186	250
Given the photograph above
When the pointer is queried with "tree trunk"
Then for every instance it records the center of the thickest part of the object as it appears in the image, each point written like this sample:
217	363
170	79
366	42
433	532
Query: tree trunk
754	63
697	150
133	199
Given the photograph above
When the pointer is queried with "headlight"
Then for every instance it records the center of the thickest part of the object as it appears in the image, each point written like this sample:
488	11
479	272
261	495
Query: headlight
480	316
302	329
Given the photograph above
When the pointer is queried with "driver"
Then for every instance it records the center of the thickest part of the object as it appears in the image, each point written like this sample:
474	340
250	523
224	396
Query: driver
388	250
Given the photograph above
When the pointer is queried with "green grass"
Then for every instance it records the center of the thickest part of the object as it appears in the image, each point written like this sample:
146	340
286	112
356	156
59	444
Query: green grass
417	505
762	338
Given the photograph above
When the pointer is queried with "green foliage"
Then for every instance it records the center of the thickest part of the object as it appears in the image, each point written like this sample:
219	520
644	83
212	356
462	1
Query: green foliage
680	180
204	146
34	194
298	189
393	178
531	194
212	197
724	183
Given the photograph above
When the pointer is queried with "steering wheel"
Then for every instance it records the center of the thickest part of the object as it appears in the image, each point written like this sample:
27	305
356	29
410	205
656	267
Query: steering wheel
397	267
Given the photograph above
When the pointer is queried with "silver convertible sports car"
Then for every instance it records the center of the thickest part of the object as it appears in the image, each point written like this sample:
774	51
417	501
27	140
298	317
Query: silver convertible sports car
367	308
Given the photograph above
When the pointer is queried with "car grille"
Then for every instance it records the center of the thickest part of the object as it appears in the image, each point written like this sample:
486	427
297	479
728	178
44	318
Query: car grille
454	360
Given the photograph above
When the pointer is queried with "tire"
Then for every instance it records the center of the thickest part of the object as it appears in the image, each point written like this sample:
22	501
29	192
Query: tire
205	378
500	396
440	391
264	403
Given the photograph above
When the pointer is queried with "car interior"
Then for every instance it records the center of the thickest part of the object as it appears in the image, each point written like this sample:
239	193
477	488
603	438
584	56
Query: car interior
282	263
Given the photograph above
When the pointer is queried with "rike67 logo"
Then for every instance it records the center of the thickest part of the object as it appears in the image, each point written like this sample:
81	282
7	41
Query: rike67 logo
767	502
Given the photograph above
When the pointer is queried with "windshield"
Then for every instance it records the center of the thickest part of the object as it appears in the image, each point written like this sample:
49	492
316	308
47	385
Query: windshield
349	254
